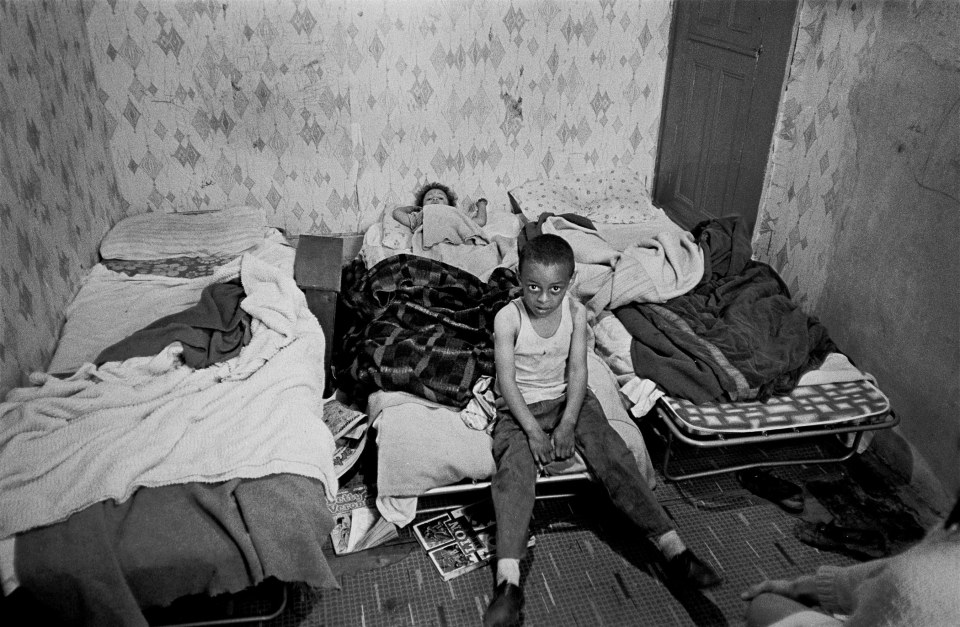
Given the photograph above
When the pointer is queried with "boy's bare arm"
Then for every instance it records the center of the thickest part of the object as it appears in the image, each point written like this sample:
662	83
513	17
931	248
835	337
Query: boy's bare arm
506	326
563	440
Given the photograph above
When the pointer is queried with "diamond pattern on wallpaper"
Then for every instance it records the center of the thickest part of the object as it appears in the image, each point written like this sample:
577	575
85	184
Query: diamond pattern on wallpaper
170	42
807	187
62	194
303	21
347	91
131	52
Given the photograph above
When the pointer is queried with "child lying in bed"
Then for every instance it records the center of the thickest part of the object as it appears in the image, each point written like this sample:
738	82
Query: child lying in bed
411	216
540	350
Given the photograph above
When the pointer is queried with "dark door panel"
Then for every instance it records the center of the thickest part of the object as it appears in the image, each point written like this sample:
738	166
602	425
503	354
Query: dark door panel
726	69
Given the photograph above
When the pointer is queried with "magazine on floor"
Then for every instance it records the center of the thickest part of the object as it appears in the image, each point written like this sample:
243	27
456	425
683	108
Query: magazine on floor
358	524
343	420
461	540
349	429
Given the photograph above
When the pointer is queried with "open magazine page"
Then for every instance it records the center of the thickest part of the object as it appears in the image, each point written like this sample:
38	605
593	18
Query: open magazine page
358	524
460	540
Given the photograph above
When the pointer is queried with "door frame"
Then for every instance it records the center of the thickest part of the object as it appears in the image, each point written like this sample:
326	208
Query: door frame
766	91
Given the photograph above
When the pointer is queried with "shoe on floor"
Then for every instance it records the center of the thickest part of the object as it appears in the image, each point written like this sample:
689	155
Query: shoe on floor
687	569
504	609
856	542
763	483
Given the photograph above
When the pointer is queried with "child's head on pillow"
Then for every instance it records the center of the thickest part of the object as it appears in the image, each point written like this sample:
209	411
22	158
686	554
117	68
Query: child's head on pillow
435	193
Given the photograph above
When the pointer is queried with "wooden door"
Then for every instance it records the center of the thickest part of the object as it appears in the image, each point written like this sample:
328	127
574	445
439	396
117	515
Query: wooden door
725	75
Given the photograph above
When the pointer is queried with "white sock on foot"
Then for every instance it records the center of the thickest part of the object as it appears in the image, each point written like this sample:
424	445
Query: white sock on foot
670	544
508	569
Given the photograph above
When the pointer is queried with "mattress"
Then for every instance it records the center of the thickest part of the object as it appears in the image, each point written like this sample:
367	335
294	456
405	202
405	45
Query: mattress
423	445
117	298
808	406
208	534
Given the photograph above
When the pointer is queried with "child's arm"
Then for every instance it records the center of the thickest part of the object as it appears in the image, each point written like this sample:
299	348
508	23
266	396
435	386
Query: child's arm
479	212
410	216
505	328
563	440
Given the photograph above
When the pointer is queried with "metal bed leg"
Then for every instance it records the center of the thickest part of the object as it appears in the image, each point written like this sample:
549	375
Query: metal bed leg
272	613
848	452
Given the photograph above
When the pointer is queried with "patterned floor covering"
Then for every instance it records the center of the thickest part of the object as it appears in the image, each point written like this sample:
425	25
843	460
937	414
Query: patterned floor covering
589	568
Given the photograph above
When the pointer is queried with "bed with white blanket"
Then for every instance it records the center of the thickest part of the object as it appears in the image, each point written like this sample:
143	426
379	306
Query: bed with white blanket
423	329
138	470
690	323
419	348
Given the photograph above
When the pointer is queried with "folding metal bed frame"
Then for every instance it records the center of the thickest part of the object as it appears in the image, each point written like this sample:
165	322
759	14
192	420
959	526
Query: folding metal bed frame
847	409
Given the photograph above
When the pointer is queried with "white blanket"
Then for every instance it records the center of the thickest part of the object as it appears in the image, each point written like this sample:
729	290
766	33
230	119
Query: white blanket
152	421
447	235
135	301
661	265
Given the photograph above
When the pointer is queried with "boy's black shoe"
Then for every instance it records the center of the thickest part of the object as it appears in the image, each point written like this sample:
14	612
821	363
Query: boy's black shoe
686	568
504	609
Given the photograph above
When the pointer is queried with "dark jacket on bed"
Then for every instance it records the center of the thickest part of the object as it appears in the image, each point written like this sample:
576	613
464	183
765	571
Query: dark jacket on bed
736	336
213	330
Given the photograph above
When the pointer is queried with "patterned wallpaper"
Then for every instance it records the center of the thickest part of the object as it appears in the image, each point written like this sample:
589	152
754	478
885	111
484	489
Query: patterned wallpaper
812	172
57	188
324	112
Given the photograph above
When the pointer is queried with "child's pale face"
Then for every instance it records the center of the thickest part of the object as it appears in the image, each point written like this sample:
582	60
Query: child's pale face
435	197
543	287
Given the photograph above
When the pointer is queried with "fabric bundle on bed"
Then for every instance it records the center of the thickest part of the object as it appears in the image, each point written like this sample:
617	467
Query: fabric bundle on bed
420	326
152	421
736	336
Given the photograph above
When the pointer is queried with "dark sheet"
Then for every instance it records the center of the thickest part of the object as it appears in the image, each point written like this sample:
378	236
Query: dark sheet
213	330
736	336
104	563
419	326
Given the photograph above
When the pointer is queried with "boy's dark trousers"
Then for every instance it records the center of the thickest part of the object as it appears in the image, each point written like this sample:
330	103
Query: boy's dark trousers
607	457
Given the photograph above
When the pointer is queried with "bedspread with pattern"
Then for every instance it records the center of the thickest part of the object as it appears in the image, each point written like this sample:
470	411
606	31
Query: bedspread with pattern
419	326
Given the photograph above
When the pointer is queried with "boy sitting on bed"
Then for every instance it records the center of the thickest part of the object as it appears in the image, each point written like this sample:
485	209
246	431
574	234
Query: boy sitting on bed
541	360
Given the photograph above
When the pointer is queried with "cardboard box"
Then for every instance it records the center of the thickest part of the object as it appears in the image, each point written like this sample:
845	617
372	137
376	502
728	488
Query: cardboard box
316	269
318	262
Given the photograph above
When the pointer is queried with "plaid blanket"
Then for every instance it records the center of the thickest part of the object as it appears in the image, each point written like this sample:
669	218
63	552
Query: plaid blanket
420	326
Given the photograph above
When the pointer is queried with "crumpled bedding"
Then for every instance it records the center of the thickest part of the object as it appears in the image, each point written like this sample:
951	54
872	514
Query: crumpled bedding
662	263
445	224
736	336
213	330
106	562
135	301
103	432
447	235
420	326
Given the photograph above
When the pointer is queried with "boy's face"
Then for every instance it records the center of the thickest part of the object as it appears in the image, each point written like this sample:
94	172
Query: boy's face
435	197
543	287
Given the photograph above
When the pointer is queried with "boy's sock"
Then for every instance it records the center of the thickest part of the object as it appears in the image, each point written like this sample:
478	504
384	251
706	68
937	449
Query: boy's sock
670	544
508	569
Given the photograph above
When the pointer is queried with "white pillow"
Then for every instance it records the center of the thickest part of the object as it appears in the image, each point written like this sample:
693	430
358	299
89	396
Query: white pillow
394	235
612	196
160	235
